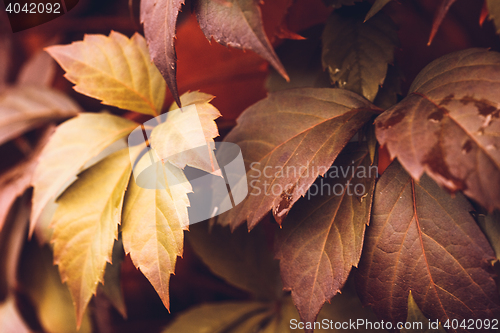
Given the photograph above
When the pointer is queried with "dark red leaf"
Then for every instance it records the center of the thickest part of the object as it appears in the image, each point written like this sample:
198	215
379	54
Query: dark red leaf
322	238
237	23
422	239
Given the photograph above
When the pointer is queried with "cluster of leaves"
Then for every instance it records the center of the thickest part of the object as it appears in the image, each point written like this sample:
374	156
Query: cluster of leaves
423	255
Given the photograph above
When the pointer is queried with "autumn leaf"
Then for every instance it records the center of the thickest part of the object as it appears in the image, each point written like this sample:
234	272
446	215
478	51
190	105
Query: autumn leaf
494	12
422	239
160	18
356	54
419	323
439	16
181	137
375	8
115	70
314	125
322	238
74	143
448	125
241	258
86	225
154	221
237	23
24	108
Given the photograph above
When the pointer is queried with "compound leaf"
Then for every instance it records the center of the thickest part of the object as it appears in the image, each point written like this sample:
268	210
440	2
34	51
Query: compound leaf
115	70
356	54
323	237
449	126
422	239
73	144
86	225
287	140
159	18
237	23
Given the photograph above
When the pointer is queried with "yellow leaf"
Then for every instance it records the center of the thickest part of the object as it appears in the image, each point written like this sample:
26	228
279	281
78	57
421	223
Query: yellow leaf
153	223
86	225
114	69
186	136
73	144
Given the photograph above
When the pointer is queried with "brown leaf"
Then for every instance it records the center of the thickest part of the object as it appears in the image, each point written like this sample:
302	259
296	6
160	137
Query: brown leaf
238	23
449	125
287	140
159	18
438	18
357	53
323	237
421	239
